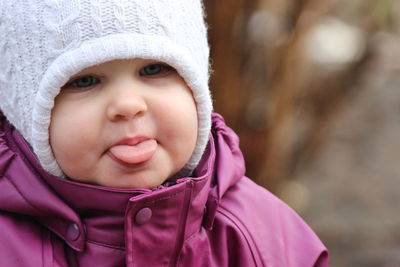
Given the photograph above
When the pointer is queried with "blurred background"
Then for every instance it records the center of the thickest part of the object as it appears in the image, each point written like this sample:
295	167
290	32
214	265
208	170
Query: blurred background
310	86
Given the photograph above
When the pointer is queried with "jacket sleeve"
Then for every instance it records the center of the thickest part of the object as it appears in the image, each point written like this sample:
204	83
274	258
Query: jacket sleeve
277	236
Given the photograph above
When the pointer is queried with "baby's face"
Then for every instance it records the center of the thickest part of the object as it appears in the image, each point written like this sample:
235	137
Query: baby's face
125	123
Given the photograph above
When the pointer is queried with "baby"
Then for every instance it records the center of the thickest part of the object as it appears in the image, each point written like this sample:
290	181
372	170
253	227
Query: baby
124	123
110	154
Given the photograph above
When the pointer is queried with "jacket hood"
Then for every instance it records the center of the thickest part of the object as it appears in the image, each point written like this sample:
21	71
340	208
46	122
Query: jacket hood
26	188
229	163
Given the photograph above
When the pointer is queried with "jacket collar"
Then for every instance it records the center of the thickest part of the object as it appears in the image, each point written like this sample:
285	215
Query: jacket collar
67	208
104	211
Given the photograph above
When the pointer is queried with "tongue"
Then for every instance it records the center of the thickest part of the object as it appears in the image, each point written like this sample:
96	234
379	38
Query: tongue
138	153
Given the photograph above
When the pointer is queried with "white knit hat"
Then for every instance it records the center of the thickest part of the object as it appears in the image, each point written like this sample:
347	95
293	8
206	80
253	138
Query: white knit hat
44	42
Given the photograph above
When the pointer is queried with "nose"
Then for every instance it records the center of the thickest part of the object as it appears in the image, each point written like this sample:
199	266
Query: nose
125	104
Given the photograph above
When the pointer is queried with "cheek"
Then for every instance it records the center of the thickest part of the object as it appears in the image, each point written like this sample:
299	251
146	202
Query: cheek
178	124
70	136
189	118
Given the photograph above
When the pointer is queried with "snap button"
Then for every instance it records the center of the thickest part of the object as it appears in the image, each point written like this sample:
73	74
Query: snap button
143	216
73	232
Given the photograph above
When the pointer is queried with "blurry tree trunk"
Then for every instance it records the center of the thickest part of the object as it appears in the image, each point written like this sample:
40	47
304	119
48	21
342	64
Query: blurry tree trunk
262	80
225	57
265	141
227	36
287	84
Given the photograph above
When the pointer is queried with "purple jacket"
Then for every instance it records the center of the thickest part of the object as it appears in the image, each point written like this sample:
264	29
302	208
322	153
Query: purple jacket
216	218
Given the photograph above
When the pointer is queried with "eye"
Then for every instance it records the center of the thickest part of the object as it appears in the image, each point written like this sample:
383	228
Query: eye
154	69
83	82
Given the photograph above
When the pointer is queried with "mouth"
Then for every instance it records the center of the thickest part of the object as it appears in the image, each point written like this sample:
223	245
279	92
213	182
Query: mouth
133	152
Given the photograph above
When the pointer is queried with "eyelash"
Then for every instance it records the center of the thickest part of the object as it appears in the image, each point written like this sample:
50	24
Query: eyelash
161	69
153	70
85	79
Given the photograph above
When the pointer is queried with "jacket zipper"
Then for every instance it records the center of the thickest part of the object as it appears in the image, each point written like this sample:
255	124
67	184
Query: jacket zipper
182	223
